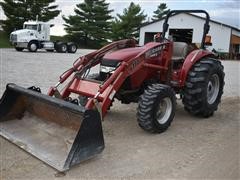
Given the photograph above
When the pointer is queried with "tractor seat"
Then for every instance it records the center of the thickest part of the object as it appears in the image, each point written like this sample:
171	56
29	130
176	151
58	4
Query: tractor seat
180	50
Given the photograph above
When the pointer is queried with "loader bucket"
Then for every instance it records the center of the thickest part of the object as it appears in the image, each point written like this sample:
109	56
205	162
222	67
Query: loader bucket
57	132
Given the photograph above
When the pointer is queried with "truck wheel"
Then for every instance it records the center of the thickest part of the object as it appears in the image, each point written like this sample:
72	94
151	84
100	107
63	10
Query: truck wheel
19	49
156	108
71	48
204	87
61	47
32	46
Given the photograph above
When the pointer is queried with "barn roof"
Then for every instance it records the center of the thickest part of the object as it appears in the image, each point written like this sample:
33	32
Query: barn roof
226	25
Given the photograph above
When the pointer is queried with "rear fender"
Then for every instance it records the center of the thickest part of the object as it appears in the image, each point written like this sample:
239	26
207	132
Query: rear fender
190	60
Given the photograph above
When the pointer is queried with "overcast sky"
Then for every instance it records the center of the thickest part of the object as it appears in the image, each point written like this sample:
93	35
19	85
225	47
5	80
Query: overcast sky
225	11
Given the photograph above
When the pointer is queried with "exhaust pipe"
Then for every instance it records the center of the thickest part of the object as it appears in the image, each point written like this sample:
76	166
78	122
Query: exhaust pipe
57	132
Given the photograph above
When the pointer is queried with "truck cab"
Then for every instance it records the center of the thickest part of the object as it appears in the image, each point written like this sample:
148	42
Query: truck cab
42	30
36	35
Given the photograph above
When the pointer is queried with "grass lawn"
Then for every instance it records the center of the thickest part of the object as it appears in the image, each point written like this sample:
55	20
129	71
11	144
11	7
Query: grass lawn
4	40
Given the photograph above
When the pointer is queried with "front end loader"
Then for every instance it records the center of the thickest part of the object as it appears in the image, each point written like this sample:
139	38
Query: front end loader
64	127
55	131
55	127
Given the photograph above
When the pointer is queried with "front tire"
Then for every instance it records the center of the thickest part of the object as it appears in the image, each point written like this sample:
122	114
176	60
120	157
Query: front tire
156	108
204	87
32	46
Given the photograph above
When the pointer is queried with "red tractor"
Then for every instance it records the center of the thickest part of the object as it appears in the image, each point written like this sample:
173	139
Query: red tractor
64	128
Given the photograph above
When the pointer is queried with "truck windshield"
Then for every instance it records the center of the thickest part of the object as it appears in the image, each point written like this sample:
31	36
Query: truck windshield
30	26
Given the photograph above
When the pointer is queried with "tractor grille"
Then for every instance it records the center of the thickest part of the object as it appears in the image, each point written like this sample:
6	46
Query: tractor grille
13	37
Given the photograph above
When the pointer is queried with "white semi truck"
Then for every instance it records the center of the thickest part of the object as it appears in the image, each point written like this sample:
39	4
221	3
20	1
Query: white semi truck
36	35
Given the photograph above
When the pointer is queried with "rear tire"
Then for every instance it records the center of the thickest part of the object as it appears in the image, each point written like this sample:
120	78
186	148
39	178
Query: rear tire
71	47
61	47
204	87
156	108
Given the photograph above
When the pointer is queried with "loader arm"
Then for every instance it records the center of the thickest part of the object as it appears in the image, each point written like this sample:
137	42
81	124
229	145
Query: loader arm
104	93
86	62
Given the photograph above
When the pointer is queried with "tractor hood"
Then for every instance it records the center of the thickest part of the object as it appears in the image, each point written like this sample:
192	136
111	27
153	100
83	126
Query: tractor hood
123	54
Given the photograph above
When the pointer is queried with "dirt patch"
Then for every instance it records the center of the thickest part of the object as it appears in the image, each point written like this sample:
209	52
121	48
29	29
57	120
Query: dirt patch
191	148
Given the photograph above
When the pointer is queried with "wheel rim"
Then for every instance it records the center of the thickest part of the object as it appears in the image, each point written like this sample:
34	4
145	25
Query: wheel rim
73	48
33	46
213	89
64	48
164	110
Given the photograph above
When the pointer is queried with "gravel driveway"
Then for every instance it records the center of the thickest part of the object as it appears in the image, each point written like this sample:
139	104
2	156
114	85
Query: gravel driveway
191	148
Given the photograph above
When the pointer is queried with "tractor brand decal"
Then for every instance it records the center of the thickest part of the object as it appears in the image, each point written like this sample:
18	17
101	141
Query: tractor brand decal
154	51
135	63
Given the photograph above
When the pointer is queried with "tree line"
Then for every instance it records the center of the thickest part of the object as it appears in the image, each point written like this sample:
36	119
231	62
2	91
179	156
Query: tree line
91	25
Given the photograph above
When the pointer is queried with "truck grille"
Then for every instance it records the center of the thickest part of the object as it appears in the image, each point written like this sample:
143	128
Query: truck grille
13	38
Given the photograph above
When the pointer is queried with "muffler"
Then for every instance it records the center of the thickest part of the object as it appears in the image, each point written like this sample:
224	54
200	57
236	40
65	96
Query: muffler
57	132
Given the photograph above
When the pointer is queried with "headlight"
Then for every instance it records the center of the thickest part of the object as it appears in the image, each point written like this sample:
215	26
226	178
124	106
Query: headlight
107	69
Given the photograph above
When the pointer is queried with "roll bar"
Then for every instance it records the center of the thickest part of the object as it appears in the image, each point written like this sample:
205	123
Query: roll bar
205	28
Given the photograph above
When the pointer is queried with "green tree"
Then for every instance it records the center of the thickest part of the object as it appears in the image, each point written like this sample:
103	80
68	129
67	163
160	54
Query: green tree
91	25
19	11
161	11
127	25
